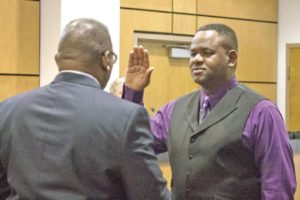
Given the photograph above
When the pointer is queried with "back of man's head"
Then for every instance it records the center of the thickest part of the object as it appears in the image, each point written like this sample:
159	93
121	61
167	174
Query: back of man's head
82	41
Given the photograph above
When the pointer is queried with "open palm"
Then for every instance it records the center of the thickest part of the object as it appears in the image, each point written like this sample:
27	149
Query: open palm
138	71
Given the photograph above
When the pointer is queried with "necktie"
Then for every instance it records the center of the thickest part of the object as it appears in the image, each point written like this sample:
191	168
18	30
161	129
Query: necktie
204	110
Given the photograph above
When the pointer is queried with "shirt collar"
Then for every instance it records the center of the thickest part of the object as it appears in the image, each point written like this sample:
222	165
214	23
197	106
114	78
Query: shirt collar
217	96
81	73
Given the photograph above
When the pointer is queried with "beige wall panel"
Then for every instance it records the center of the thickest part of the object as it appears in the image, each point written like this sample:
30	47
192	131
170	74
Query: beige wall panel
12	85
19	43
162	5
171	77
257	48
184	24
254	9
266	89
29	40
8	35
140	21
185	6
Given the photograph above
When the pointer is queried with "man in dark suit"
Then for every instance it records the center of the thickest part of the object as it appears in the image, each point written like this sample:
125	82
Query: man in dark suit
70	139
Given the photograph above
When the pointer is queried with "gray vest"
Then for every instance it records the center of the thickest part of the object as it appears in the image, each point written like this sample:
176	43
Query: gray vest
209	161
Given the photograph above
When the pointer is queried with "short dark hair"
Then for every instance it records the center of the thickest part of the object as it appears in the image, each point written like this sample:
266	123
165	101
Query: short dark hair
223	30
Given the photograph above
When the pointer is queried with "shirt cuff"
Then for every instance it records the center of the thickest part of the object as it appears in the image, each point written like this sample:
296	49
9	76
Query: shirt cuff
133	95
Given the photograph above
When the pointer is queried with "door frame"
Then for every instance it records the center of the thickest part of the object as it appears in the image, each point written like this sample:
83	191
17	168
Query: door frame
289	46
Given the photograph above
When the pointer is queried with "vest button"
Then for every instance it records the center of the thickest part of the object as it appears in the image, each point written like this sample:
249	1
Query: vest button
192	140
191	156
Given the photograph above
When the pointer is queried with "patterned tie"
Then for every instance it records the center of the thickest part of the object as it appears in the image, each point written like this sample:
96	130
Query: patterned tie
204	109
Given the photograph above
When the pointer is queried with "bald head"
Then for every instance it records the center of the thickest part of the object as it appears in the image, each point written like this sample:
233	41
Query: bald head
81	47
83	40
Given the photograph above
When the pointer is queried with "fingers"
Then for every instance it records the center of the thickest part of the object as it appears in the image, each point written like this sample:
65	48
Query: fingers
140	51
130	59
135	56
146	59
140	56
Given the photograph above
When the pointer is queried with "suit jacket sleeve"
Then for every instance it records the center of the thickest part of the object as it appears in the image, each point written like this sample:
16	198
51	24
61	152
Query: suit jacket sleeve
4	187
140	171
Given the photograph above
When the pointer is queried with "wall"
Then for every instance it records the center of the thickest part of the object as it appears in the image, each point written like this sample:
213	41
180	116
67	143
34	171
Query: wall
50	33
255	23
288	32
57	13
19	46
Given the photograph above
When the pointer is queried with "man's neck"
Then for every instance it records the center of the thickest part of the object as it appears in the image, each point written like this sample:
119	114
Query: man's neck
82	73
212	89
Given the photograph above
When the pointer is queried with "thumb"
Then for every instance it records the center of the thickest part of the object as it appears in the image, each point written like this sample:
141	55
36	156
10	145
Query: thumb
149	72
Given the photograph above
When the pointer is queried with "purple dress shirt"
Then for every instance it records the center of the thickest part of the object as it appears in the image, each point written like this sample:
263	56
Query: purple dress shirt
264	135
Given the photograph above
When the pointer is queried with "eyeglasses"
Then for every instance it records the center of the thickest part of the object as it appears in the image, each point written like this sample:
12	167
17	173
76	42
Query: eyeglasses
111	55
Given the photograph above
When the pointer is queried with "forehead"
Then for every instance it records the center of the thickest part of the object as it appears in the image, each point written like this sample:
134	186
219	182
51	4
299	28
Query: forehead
208	38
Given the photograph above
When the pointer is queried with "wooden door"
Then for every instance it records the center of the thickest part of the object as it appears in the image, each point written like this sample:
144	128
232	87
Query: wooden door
170	79
293	89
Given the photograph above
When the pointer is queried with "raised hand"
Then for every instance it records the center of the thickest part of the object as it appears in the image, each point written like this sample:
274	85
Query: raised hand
138	72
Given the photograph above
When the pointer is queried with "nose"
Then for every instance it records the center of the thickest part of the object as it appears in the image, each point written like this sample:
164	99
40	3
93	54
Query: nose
197	59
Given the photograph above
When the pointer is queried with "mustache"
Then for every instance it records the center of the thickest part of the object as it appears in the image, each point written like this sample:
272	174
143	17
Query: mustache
197	66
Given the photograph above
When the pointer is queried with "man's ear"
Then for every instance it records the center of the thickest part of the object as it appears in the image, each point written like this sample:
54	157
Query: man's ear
105	62
57	61
232	58
56	57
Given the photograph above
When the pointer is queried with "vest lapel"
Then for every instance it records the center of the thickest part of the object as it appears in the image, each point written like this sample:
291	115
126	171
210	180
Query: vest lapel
192	111
224	107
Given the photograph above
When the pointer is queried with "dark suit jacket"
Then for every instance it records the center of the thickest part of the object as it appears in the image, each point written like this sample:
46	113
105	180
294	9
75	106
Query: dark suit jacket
70	140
